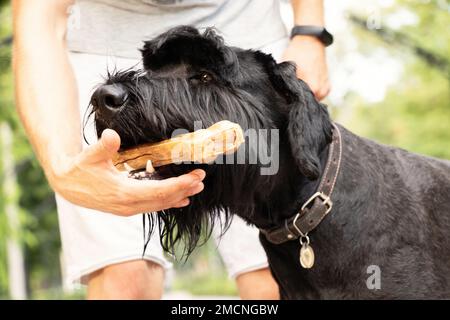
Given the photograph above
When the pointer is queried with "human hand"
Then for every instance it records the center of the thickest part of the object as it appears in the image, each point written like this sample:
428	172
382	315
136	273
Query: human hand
91	180
308	53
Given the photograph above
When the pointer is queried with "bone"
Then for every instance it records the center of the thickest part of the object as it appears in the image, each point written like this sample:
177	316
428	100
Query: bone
201	146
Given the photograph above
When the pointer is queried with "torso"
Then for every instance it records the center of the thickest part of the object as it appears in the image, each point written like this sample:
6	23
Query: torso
117	28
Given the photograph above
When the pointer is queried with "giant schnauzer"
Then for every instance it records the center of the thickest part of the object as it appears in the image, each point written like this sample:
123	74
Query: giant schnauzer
376	218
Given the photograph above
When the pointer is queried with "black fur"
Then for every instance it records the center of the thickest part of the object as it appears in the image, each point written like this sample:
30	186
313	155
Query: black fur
391	208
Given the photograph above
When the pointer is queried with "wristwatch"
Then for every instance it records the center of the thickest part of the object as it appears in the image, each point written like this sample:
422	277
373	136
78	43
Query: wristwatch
316	31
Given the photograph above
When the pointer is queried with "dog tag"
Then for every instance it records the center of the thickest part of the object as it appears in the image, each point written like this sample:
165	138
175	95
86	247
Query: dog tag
306	256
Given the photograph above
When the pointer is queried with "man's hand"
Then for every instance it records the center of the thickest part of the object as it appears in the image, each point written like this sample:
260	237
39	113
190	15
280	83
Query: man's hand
91	180
308	53
47	101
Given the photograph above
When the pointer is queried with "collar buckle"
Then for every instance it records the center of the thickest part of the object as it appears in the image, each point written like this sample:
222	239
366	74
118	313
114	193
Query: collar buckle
322	196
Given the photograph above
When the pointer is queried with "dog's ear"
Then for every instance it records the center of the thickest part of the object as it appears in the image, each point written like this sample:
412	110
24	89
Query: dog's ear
185	44
309	126
152	46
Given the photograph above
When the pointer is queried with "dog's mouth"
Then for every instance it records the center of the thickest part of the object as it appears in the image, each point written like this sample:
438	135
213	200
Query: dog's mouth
144	175
159	173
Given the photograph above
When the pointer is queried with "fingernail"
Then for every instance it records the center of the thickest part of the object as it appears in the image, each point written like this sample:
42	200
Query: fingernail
200	174
149	167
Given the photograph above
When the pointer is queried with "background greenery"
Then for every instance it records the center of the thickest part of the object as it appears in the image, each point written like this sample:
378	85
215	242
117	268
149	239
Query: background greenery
414	114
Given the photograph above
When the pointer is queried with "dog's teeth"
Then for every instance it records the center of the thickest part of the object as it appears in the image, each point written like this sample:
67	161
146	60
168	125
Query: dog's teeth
149	167
127	167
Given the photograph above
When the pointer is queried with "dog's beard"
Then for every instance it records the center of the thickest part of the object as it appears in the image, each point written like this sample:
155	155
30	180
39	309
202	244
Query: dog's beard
158	107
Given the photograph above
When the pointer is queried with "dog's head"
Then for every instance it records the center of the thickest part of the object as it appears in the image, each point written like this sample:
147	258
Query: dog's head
189	77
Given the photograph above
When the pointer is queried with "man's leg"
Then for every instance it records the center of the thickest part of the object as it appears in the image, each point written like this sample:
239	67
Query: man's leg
257	285
105	252
138	279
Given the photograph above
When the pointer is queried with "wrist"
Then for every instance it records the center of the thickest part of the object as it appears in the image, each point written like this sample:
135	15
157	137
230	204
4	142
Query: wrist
318	32
57	169
307	39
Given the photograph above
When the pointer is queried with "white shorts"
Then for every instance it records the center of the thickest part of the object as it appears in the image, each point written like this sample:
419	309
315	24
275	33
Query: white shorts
92	240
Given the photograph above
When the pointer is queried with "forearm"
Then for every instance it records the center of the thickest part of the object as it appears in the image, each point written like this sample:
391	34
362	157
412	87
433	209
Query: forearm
308	12
46	99
46	94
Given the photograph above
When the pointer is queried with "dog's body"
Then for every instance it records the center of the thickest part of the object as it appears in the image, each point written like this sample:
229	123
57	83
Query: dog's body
391	208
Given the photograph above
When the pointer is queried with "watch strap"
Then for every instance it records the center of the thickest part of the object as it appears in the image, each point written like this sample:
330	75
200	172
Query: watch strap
316	31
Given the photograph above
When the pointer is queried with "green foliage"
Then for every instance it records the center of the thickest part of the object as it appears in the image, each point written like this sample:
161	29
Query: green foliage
5	114
206	284
39	235
204	273
415	113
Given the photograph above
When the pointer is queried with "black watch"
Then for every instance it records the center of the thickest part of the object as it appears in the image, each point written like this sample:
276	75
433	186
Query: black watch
316	31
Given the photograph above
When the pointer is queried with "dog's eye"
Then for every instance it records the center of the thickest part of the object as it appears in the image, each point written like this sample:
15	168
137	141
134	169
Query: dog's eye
203	77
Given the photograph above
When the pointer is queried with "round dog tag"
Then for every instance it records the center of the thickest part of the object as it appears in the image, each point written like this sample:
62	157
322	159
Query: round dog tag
306	256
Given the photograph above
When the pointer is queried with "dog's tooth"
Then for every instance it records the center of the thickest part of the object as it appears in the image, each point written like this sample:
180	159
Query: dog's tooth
142	174
149	167
127	167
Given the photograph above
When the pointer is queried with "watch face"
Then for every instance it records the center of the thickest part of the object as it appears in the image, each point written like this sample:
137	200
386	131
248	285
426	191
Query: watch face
326	37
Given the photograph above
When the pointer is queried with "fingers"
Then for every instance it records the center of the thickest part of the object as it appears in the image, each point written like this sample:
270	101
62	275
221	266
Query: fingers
183	184
174	190
321	92
154	195
182	203
105	148
320	88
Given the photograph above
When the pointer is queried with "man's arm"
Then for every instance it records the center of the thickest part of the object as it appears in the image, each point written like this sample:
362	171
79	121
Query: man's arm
47	101
307	51
46	91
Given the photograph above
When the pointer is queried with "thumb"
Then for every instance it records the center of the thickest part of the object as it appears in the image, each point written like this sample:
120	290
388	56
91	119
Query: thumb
105	148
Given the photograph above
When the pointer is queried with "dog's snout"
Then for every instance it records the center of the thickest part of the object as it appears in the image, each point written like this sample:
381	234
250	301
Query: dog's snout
109	98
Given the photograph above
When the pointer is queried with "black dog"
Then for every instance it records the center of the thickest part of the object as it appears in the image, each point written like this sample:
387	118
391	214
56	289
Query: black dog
391	208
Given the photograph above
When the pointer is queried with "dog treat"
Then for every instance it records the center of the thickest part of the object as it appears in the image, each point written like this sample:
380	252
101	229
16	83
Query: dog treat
201	146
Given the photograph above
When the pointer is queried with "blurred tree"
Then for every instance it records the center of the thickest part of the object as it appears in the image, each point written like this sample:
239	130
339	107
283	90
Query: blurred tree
415	113
40	235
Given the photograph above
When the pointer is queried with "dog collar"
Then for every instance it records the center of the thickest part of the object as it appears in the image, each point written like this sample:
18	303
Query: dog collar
314	210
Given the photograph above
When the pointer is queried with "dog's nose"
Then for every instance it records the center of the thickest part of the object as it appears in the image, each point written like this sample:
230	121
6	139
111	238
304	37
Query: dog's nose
109	98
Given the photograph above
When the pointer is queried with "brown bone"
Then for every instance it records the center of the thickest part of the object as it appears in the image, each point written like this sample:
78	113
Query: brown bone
201	146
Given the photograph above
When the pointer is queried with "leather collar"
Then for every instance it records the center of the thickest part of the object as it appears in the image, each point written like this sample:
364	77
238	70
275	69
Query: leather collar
316	208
